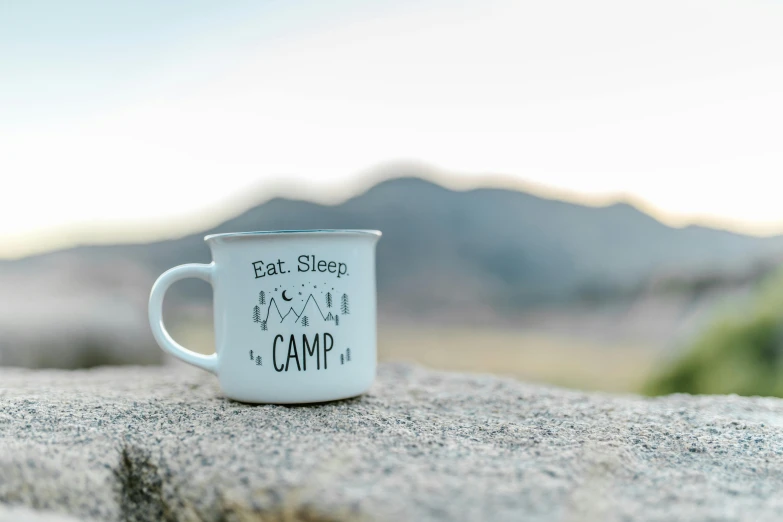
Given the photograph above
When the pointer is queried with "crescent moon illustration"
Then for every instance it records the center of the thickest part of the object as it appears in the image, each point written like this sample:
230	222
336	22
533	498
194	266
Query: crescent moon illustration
286	298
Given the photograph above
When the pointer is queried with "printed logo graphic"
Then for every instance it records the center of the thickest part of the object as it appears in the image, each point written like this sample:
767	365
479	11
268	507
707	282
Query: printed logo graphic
295	320
304	314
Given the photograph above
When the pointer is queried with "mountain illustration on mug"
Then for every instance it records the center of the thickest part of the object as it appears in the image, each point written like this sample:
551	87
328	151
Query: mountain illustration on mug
308	314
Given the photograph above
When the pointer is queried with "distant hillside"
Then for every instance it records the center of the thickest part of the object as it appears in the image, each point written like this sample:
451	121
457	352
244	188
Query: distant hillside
485	250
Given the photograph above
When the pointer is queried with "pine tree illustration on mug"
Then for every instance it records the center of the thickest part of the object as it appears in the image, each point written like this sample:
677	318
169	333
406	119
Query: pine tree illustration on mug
305	321
328	299
348	354
256	314
258	360
263	325
261	297
342	359
344	305
251	355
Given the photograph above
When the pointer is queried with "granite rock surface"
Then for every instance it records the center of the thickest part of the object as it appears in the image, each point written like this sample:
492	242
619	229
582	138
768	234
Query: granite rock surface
160	443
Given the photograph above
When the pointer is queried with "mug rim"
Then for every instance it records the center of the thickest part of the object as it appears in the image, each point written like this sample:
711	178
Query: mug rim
320	231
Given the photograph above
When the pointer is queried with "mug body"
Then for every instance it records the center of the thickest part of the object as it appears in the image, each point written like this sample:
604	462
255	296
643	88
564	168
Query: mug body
295	314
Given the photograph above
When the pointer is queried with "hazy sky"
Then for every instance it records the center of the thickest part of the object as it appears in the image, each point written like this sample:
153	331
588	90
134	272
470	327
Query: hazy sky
148	112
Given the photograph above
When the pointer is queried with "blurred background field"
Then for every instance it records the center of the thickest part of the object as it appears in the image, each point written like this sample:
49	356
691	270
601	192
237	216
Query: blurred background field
517	353
584	195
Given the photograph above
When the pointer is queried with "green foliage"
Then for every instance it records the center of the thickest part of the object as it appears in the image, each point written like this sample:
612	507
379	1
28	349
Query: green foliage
742	352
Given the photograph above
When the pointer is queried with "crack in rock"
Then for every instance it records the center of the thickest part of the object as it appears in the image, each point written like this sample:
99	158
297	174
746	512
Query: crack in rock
144	494
141	495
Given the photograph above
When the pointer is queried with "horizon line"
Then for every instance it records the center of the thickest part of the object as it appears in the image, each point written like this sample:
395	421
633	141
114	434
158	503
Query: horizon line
147	230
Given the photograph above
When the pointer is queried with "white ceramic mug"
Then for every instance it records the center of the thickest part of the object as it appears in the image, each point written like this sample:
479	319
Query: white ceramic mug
295	314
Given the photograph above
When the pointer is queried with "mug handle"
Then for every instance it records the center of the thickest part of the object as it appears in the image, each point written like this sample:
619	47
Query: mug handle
167	344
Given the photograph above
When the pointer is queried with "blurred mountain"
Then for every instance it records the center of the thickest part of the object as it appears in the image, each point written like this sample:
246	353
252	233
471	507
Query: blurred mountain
477	253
